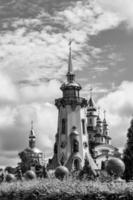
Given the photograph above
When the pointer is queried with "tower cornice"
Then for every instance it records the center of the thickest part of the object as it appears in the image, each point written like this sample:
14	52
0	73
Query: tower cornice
75	101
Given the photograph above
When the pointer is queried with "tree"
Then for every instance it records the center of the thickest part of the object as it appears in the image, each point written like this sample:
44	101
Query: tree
128	154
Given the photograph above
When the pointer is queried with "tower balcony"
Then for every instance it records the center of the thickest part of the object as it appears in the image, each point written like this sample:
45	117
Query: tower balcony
73	101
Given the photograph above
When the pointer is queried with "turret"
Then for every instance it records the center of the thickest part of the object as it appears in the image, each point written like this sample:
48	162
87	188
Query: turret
106	130
72	145
99	135
91	114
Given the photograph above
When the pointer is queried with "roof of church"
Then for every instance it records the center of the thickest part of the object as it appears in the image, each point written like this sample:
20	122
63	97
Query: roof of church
33	150
73	84
91	104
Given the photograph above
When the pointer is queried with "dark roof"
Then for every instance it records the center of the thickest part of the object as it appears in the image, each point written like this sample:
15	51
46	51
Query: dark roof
91	104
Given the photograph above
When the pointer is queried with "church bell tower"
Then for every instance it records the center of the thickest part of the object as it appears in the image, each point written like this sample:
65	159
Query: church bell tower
71	146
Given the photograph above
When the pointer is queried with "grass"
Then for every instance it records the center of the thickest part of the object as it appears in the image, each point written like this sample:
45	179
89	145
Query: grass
67	189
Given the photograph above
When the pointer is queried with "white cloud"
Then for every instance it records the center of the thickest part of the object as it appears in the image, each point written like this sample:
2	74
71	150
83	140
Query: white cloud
14	136
46	91
123	10
8	92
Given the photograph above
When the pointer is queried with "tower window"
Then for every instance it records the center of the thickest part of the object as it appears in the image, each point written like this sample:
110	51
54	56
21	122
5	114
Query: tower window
90	121
75	146
83	125
63	126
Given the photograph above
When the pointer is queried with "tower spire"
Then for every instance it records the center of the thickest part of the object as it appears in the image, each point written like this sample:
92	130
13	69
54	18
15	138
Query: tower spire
91	90
70	74
32	137
70	67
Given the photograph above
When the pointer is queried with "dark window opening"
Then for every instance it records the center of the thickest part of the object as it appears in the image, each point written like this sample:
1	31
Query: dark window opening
63	126
76	164
75	146
62	161
83	126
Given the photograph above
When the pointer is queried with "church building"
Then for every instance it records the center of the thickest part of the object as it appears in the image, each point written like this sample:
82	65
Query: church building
81	134
31	157
98	136
71	146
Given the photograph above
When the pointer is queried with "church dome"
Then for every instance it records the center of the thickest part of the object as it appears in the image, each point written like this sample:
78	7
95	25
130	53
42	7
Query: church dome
36	150
69	85
33	150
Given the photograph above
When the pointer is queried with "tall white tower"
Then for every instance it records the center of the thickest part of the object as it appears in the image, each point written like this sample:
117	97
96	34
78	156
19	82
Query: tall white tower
71	147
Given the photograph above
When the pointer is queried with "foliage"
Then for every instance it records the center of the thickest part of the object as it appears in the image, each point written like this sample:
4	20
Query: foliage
10	178
86	172
29	175
69	189
115	167
128	154
61	172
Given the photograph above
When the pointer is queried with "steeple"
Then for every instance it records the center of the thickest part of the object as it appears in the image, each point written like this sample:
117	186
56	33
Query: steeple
70	73
32	137
91	103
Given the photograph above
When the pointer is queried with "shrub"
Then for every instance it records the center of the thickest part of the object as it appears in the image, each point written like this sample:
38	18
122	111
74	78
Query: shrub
86	172
29	175
115	167
10	178
61	172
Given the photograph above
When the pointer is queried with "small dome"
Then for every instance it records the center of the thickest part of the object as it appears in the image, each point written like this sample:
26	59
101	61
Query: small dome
34	150
70	85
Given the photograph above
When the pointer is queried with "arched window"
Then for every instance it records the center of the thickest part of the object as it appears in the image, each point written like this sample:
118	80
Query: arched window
76	164
75	146
90	121
62	161
63	126
83	125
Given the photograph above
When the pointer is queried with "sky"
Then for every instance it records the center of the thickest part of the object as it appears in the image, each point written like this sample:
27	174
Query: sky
34	38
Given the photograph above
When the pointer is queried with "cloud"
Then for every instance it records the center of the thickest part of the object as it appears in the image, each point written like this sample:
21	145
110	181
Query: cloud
46	91
122	10
119	106
8	92
14	136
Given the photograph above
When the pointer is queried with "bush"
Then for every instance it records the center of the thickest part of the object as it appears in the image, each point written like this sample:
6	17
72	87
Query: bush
29	175
86	172
61	172
10	178
115	167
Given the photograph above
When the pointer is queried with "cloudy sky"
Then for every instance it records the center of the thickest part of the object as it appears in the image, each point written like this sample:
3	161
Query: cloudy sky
34	39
